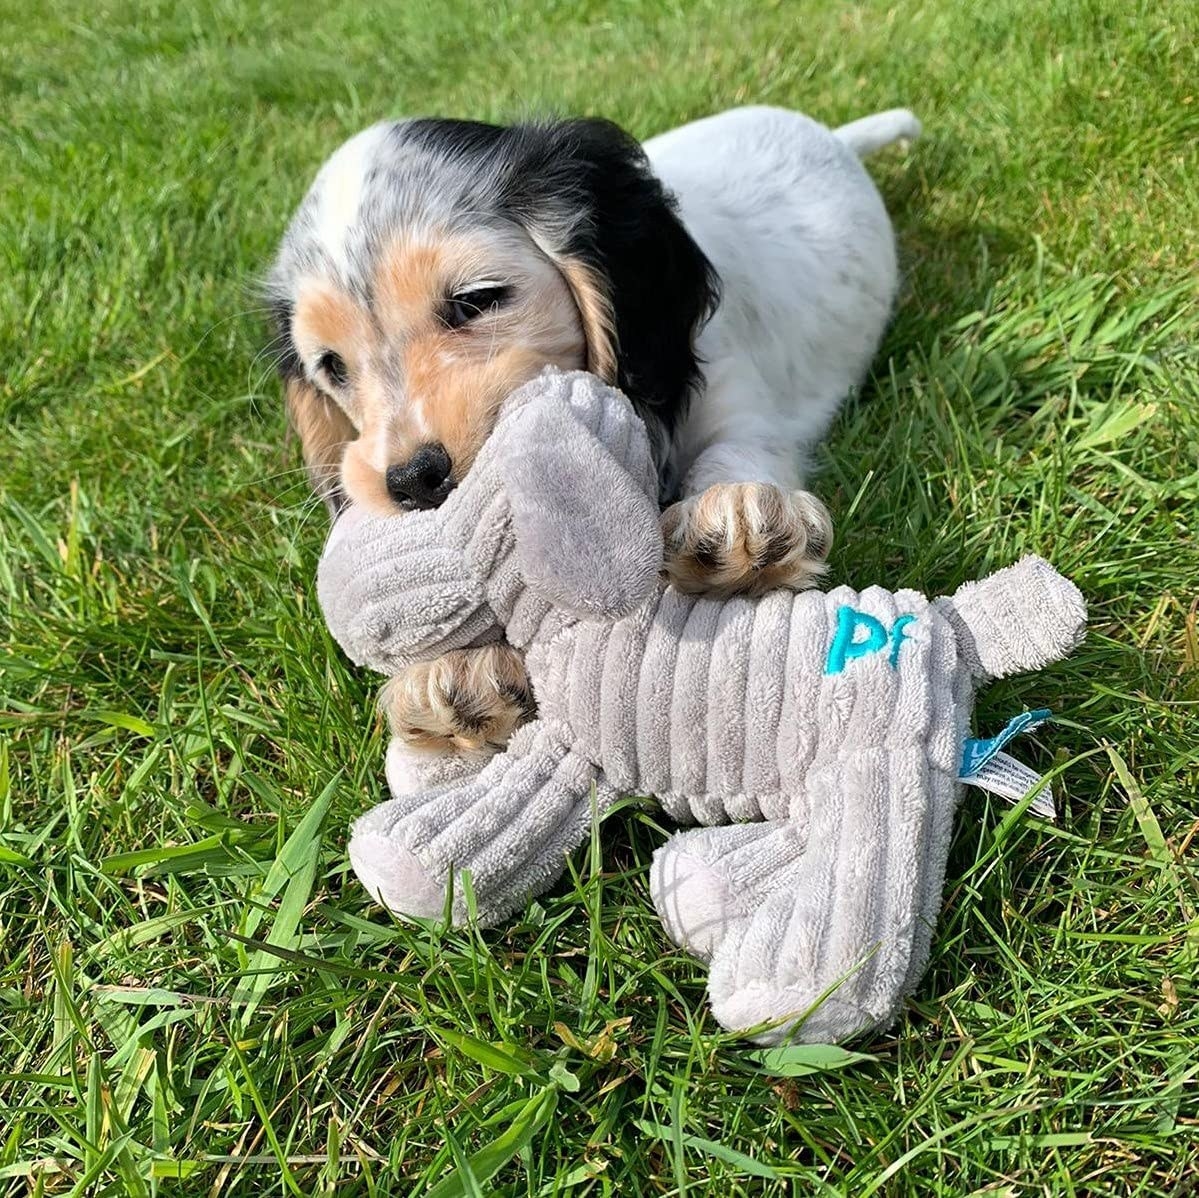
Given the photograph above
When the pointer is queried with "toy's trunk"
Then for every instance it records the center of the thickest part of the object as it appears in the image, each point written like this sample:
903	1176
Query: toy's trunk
1018	619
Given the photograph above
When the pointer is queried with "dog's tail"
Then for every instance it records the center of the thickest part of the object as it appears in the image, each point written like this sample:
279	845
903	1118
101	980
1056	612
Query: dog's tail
874	132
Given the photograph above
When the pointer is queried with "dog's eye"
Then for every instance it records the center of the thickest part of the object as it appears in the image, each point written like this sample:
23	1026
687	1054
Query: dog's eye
334	366
466	305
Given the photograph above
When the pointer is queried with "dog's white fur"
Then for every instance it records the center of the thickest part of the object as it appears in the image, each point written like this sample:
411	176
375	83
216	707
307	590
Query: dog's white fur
805	251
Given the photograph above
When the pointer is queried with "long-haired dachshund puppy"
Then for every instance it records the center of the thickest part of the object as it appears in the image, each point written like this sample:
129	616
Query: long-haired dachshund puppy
733	277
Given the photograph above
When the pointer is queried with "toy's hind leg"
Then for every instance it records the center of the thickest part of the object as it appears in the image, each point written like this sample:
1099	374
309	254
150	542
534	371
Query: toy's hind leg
706	882
833	952
511	826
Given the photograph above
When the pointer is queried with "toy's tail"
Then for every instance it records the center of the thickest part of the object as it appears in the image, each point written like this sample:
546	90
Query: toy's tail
872	133
1017	619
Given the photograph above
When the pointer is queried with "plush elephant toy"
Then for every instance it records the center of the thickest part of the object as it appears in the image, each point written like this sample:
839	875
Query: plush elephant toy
819	737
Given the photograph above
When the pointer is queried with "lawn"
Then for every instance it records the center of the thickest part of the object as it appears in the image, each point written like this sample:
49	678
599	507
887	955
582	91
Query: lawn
196	996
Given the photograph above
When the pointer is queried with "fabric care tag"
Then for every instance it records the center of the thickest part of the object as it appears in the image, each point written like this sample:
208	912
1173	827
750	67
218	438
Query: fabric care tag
1005	776
985	765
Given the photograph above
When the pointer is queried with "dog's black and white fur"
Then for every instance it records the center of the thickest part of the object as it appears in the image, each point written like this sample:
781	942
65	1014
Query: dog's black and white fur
734	277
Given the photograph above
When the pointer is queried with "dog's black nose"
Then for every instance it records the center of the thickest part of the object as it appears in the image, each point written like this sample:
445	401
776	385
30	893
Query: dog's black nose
424	480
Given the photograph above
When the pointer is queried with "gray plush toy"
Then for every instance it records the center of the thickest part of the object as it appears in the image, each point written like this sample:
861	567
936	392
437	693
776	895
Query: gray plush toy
819	736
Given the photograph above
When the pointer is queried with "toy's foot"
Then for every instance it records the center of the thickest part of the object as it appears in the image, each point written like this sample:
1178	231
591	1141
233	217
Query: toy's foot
387	868
414	774
746	538
392	874
466	701
836	946
777	973
708	881
733	895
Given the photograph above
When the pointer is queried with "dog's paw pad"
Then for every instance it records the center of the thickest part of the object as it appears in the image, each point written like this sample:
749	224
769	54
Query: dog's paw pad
746	538
466	701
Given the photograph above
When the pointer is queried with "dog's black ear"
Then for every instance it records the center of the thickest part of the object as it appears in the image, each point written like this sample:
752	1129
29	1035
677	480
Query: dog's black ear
585	191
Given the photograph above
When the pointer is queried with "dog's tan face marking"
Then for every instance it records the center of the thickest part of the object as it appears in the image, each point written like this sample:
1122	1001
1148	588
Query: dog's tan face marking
410	379
411	274
329	318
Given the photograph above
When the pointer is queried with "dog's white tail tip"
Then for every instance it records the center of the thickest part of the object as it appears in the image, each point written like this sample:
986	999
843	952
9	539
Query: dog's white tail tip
872	133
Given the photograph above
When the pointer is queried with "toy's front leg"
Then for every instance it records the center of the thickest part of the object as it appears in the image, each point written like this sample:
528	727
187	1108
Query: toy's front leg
833	952
392	873
511	826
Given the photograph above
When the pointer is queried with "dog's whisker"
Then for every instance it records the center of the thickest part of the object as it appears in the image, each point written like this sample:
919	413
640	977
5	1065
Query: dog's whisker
311	506
300	473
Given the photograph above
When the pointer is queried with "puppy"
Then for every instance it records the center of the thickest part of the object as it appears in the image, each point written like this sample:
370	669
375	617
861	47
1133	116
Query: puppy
733	277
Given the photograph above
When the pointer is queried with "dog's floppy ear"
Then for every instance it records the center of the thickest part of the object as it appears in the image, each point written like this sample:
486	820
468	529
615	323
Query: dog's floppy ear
587	194
324	431
323	428
584	514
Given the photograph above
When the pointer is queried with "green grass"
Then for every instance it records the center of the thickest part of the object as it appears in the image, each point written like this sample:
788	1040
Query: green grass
195	996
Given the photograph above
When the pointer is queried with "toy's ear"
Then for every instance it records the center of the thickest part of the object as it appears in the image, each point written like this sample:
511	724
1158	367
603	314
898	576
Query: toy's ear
584	513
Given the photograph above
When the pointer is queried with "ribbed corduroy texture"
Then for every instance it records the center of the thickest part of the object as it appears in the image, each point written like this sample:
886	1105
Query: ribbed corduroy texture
727	711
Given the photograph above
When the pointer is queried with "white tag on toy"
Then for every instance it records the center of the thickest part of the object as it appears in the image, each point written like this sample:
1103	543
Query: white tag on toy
1005	776
985	765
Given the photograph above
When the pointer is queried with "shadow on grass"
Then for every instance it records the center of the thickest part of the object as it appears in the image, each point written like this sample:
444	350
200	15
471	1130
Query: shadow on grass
949	263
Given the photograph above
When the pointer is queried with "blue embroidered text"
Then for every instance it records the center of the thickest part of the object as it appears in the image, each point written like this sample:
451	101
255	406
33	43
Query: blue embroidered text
848	644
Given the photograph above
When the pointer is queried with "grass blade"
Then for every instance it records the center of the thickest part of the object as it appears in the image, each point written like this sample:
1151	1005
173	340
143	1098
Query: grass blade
743	1164
293	873
483	1165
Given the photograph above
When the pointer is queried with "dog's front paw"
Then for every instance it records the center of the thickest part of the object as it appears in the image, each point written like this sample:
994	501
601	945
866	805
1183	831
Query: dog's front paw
466	701
746	538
